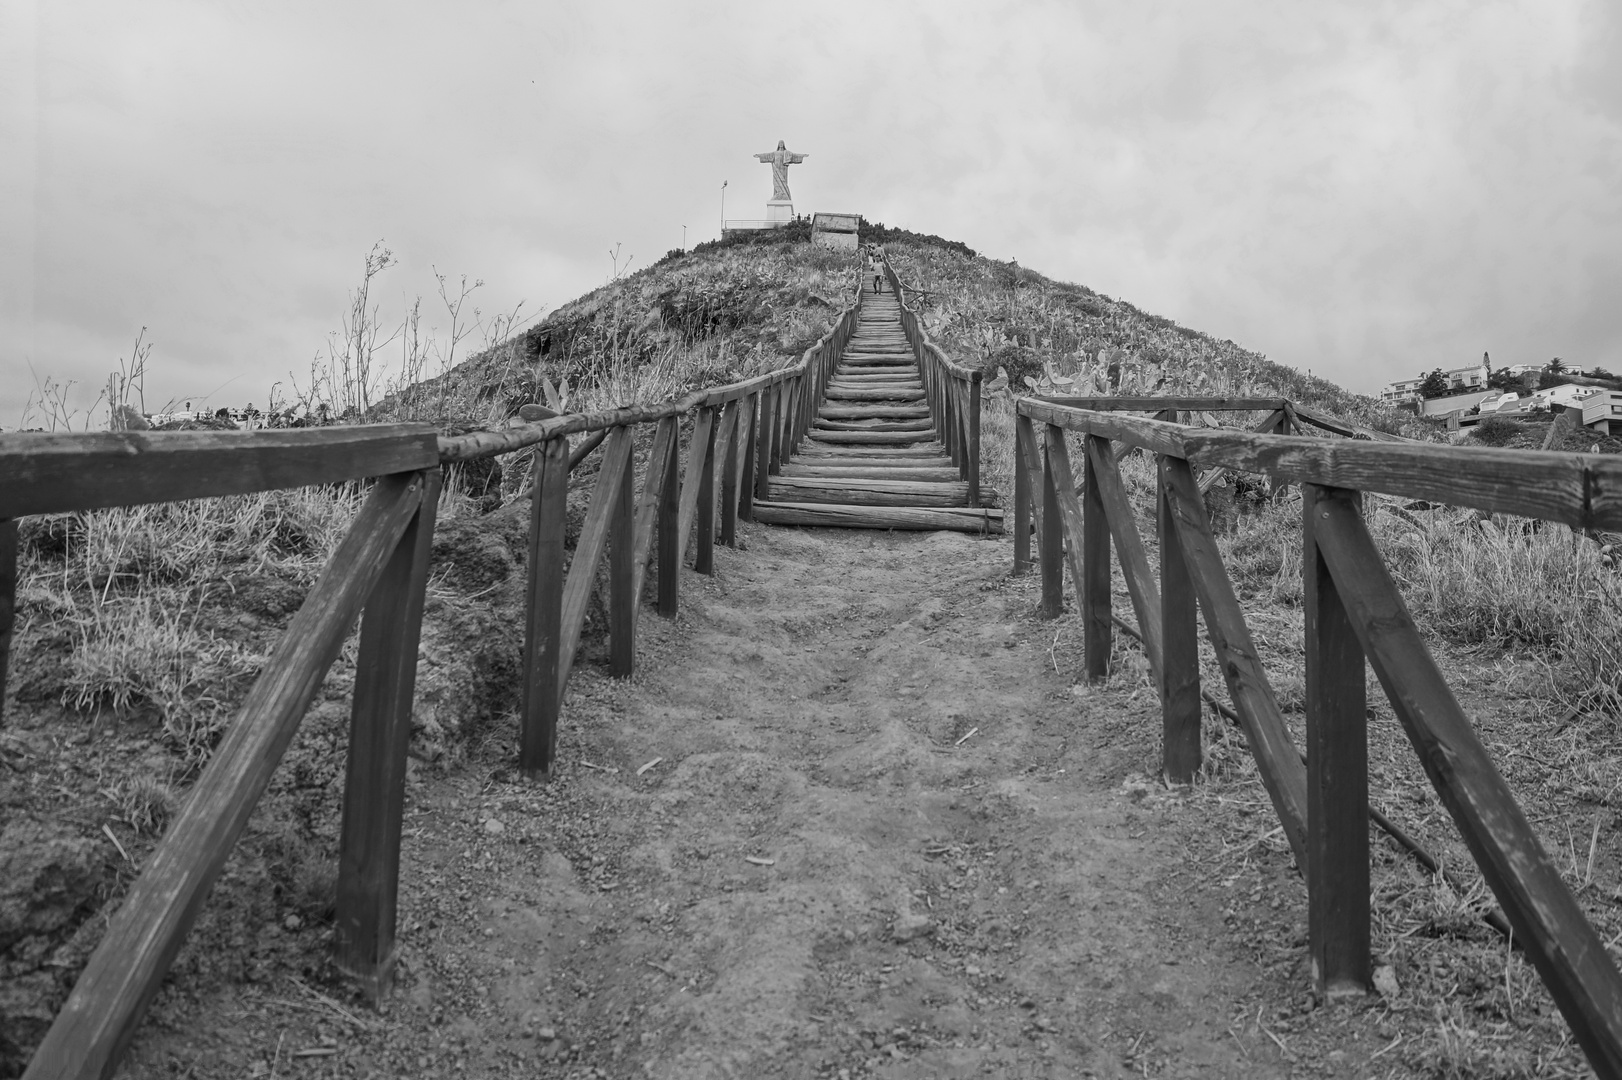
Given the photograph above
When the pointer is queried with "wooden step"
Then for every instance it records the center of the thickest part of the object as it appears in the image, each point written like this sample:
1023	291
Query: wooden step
890	472
810	450
874	461
842	393
886	412
916	518
874	425
871	438
864	376
872	491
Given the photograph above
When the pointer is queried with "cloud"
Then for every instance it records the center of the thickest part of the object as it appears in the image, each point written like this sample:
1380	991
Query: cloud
1364	189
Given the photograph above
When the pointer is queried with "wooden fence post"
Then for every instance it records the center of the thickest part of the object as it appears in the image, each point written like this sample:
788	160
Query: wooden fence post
1179	649
1052	545
704	554
543	630
1337	868
746	432
622	577
669	539
1022	510
1097	627
379	734
8	602
729	472
974	440
763	455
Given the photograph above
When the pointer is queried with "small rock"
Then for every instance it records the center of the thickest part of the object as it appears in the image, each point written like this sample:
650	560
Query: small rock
292	922
1385	981
546	1034
971	970
908	927
494	827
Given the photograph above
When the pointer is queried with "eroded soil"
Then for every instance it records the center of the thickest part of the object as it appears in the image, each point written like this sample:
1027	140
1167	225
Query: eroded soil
885	836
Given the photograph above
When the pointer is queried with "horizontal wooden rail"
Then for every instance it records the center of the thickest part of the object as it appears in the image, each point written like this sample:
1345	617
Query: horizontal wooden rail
1354	618
1581	490
47	473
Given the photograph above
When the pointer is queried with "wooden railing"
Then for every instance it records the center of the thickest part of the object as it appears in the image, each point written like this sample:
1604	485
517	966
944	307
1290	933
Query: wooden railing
952	390
1354	615
742	432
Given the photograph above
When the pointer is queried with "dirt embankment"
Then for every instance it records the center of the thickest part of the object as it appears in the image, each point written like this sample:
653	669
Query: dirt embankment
852	818
885	836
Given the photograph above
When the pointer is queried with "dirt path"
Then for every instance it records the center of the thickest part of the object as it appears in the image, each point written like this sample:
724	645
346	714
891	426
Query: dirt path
953	872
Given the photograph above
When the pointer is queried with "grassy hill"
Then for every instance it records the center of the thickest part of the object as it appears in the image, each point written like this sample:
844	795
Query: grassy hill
732	308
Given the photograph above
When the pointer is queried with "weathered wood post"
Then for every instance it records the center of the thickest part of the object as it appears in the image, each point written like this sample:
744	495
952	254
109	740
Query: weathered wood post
747	432
729	472
379	734
1022	508
1179	649
669	518
622	577
1052	546
8	602
1337	869
764	451
1097	626
974	439
543	627
704	554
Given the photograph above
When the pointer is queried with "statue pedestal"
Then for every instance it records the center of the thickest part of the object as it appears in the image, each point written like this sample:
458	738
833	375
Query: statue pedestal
779	210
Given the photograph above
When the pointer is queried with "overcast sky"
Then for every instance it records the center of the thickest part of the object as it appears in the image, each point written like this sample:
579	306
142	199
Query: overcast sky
1364	189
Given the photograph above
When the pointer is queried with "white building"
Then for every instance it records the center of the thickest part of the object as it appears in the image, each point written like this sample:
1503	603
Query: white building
1602	410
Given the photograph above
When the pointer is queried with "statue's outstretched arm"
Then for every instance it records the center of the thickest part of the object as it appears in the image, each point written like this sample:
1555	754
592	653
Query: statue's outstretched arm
765	157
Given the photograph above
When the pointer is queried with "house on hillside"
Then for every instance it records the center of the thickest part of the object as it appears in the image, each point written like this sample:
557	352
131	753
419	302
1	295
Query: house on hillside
1459	380
1400	391
1564	396
1602	411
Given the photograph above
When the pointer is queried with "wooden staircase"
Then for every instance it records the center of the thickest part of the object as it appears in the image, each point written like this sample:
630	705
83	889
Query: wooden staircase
872	459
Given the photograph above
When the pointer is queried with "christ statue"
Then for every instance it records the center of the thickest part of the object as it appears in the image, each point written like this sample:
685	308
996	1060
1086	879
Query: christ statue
780	159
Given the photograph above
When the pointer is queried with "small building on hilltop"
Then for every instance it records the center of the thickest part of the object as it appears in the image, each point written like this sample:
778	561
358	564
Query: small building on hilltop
837	231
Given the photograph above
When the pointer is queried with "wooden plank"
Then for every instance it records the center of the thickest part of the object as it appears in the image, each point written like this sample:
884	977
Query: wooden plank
853	497
1180	704
872	438
1155	435
891	487
881	472
1027	446
1337	773
1548	922
974	440
1140	582
49	473
1097	625
746	478
8	602
874	425
924	453
699	448
543	624
1051	548
588	549
375	769
767	453
1277	758
1341	427
647	507
841	393
1022	512
730	428
96	1025
976	520
704	511
669	538
622	576
1531	483
878	411
1158	404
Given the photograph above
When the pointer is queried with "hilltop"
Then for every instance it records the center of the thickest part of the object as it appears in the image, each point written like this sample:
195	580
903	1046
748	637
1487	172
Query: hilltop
732	308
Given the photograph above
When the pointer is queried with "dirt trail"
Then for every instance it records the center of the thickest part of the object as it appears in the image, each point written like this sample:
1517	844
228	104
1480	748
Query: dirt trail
951	877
